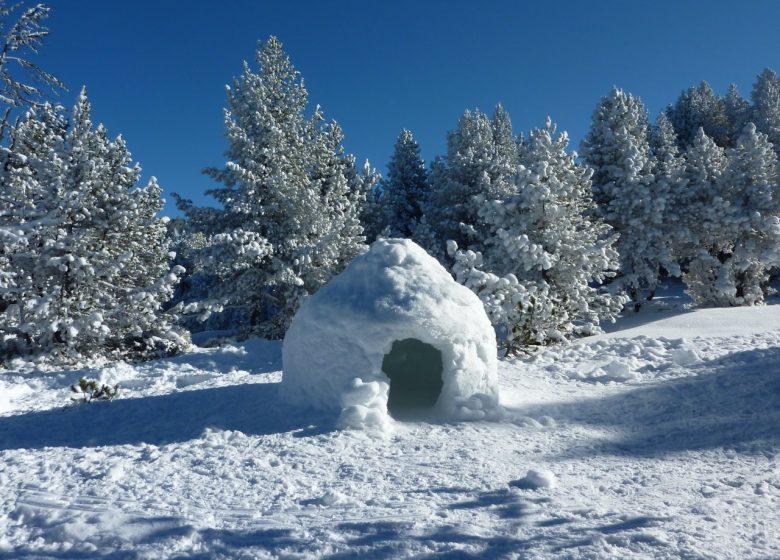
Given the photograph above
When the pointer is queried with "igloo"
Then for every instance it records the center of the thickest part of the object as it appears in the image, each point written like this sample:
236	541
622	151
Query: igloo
393	332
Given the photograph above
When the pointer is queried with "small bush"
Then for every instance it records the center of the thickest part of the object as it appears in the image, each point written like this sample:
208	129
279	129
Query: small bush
88	391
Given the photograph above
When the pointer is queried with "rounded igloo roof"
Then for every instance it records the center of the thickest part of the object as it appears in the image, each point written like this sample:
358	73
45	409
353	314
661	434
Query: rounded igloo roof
396	291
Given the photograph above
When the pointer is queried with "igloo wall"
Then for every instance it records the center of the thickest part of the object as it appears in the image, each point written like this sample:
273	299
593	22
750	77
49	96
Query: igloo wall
335	347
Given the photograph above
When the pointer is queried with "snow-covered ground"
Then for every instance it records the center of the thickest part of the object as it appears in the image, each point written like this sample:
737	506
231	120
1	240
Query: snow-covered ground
658	439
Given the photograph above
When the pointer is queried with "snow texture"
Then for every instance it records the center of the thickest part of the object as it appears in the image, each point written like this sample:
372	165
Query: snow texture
334	349
199	458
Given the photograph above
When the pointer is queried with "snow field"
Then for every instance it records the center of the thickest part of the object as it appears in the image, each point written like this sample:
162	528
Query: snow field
670	454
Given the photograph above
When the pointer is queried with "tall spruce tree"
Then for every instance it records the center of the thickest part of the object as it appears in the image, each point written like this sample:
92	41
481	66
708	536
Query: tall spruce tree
406	188
704	209
89	269
738	113
669	177
738	215
766	106
546	254
22	81
753	179
700	107
481	159
627	194
291	200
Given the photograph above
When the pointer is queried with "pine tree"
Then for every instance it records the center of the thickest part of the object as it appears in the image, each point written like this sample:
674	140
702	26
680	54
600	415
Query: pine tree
738	213
738	113
628	196
704	208
480	161
664	147
22	81
752	176
405	189
545	252
700	107
372	213
91	271
669	176
766	106
291	199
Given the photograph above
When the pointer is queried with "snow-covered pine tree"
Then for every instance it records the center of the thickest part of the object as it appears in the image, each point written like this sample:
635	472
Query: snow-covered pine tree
738	113
291	200
699	107
92	270
664	147
21	78
668	172
545	253
705	209
480	161
766	106
751	178
405	189
372	215
627	194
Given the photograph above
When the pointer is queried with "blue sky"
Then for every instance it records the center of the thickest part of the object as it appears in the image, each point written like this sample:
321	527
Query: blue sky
156	69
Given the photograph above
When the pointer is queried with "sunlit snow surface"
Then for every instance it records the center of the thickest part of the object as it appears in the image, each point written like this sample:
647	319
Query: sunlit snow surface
656	440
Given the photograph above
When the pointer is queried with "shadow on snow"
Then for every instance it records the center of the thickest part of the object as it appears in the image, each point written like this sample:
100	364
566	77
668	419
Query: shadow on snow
733	401
252	408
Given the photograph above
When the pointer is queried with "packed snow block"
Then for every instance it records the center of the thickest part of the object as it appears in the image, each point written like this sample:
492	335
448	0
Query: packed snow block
394	330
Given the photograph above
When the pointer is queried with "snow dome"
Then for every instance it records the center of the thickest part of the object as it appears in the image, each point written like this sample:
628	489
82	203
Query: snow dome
392	333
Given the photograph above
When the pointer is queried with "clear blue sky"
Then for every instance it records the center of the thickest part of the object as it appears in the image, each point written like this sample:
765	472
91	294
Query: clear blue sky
156	69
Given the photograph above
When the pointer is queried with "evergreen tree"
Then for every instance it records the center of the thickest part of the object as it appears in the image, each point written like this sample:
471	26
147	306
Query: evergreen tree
700	107
545	251
628	196
405	189
704	208
480	162
372	214
752	176
669	176
20	78
291	199
89	269
738	213
738	113
766	106
664	147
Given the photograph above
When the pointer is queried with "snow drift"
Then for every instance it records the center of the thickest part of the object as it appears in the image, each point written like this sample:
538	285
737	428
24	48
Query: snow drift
393	329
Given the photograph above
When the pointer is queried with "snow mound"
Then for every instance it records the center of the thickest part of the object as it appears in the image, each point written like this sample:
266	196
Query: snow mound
392	330
533	480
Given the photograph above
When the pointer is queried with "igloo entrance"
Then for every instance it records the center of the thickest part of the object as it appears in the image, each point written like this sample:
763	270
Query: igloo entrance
415	372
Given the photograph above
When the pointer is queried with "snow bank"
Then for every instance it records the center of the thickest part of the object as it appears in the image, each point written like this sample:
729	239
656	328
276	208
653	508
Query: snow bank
334	350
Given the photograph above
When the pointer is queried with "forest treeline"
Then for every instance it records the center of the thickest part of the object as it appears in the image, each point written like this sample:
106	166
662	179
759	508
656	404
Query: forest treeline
553	241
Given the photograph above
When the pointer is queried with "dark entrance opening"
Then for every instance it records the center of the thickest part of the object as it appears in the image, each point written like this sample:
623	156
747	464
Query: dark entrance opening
414	369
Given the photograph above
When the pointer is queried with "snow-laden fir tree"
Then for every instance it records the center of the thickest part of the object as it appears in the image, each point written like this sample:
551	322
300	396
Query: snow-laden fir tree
704	209
21	79
546	253
480	161
738	113
700	107
87	271
405	189
291	200
751	223
627	194
372	214
669	177
766	106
